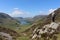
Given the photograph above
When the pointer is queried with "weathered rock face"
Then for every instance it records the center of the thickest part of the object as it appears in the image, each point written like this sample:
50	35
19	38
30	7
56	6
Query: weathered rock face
7	36
45	21
57	13
46	31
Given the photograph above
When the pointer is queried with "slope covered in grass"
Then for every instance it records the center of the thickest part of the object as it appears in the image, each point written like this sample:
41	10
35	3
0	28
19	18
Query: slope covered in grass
8	21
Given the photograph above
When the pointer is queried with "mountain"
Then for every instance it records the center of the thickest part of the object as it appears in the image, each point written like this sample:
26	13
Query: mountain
29	20
39	17
8	26
46	20
21	20
3	15
8	21
18	18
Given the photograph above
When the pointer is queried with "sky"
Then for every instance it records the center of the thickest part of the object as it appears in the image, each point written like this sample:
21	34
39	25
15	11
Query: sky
28	8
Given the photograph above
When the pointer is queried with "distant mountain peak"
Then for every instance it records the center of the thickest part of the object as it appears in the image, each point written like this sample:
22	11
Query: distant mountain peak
7	21
4	15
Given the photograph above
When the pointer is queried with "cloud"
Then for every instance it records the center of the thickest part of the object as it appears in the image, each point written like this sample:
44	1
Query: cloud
51	10
46	12
17	13
16	8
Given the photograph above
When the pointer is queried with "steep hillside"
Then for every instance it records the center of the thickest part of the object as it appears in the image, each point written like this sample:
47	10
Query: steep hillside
39	17
18	18
7	21
8	26
41	23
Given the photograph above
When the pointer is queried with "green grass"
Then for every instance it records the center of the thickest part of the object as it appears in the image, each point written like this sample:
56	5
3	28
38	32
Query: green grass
23	38
58	37
23	28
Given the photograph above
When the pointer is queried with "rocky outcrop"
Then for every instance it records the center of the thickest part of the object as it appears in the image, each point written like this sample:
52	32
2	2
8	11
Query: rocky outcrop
47	31
12	33
7	36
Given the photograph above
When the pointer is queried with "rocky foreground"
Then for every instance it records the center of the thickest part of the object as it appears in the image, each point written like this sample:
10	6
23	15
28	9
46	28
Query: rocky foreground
8	33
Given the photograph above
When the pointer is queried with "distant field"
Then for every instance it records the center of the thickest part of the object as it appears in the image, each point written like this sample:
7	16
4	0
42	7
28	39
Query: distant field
23	28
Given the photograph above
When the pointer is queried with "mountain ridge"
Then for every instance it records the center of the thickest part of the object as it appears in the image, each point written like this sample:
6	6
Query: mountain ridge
8	21
45	21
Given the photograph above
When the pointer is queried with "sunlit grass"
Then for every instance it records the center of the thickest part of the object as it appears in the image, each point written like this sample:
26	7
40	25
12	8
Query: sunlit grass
23	28
23	38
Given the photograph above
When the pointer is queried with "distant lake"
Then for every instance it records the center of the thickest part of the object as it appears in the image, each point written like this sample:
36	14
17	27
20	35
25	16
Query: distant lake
23	22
